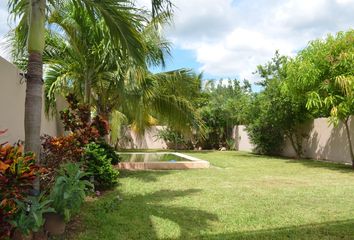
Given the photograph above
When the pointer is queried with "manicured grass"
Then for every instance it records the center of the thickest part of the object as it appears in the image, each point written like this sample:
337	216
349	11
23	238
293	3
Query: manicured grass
242	196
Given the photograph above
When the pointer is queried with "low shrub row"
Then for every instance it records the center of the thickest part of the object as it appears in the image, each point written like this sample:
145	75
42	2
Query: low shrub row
72	167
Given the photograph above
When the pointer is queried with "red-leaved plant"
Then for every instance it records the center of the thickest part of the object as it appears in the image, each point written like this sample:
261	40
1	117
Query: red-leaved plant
83	130
17	172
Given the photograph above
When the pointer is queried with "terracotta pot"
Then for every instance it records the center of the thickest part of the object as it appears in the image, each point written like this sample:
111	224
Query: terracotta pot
40	235
54	224
18	235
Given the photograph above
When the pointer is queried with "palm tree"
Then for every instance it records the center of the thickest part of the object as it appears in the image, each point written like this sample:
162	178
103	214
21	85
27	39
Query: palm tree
118	16
117	83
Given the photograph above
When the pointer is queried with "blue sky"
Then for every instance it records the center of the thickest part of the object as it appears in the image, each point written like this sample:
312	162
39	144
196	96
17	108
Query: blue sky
226	38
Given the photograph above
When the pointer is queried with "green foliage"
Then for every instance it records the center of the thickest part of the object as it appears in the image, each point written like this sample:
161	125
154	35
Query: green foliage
17	173
221	107
174	139
69	190
83	129
99	164
324	71
110	152
276	114
29	216
230	144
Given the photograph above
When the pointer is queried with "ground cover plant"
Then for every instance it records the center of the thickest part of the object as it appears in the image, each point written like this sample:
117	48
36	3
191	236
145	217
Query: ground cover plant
242	196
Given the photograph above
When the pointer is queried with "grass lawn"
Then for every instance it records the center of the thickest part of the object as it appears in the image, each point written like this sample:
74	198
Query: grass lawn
242	196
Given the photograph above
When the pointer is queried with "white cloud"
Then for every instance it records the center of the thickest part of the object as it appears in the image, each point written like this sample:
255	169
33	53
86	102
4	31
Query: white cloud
4	28
231	38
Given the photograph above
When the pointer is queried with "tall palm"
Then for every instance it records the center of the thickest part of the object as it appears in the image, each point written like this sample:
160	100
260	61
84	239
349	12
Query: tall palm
117	83
118	16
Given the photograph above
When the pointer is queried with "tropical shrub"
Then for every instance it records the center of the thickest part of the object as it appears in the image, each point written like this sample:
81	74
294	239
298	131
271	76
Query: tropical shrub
59	150
29	216
83	130
5	226
98	163
77	119
230	144
17	173
173	139
69	190
110	152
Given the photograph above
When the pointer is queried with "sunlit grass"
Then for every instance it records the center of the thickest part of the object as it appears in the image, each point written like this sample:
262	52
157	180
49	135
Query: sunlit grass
242	196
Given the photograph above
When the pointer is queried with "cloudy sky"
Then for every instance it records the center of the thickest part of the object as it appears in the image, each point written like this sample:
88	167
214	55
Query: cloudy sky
229	38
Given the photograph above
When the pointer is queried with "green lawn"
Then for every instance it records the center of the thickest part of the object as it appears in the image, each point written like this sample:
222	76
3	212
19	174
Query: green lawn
242	196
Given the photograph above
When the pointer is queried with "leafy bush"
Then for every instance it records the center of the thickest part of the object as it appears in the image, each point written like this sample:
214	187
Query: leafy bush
17	172
5	226
83	130
60	150
69	190
99	165
173	139
29	217
77	119
110	152
230	143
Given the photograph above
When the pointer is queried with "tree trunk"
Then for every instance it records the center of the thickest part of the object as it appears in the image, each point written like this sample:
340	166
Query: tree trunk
33	103
105	114
87	97
296	144
349	141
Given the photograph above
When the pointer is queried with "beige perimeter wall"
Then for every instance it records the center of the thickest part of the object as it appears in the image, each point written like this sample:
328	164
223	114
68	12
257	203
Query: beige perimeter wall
321	141
12	103
148	141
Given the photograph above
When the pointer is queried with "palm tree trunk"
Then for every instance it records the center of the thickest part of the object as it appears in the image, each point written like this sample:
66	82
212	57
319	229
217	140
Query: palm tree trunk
87	86
349	140
33	102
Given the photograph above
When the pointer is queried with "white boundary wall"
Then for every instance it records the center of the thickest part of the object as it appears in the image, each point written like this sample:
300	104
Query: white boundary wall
12	105
322	141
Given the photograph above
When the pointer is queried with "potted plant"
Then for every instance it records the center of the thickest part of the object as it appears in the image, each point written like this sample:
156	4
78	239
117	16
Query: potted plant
29	218
67	196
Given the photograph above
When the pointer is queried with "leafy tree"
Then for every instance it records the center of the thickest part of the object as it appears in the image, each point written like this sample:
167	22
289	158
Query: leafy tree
323	73
222	106
276	113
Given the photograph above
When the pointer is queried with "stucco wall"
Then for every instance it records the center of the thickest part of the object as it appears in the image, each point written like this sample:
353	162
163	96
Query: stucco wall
12	104
244	143
322	141
149	140
131	140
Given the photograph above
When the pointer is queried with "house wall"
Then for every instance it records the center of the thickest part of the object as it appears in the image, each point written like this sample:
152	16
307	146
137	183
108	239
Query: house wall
12	105
321	141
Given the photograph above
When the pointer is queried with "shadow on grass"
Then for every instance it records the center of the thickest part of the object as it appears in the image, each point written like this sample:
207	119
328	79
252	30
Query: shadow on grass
320	164
145	216
306	162
329	230
145	176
